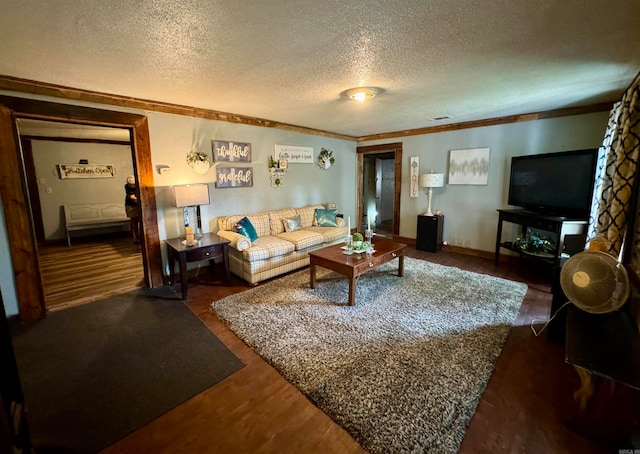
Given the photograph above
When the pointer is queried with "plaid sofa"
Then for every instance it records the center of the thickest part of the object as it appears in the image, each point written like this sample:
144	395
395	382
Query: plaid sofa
276	251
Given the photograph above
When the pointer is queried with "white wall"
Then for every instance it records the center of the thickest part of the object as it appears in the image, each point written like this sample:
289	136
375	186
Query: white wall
172	137
55	192
470	211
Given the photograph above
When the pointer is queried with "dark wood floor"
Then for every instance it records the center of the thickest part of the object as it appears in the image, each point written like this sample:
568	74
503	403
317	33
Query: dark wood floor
526	408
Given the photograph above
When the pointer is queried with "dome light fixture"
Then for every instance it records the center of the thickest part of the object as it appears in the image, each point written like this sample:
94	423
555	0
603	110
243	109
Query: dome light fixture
362	93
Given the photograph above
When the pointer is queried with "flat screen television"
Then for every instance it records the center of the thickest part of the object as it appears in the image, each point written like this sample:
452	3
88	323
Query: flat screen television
555	184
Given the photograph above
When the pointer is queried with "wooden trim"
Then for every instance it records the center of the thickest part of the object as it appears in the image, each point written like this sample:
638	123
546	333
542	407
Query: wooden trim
20	232
32	188
75	140
569	111
149	218
17	213
77	94
460	250
475	252
395	148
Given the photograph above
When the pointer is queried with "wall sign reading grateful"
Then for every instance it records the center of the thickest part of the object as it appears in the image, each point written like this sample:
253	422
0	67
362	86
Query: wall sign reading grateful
226	151
234	177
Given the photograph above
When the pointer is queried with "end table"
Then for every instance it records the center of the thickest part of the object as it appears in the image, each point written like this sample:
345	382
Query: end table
209	247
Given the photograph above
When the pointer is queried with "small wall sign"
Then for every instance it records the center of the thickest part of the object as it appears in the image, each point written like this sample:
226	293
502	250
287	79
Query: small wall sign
225	151
293	154
70	171
415	170
234	177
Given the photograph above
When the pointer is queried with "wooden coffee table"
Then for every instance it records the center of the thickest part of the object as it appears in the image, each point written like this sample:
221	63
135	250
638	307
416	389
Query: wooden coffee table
352	266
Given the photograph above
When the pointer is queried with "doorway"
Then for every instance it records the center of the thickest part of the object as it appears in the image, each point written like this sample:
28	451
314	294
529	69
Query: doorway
379	188
73	274
19	223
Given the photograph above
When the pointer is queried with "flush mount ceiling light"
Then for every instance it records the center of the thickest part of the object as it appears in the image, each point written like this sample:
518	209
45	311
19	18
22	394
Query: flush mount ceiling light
362	93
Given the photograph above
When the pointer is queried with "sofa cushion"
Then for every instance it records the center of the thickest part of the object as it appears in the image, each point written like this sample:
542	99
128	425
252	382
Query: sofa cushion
238	241
291	224
329	234
302	239
325	217
260	222
245	227
307	215
275	220
266	247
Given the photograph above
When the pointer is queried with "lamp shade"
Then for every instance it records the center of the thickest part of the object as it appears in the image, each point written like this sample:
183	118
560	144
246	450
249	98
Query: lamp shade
191	195
431	180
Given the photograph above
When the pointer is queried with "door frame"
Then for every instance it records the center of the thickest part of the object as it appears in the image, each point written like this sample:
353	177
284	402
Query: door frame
18	216
396	149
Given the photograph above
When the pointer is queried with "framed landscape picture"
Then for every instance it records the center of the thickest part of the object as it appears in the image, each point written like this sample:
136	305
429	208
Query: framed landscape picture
470	166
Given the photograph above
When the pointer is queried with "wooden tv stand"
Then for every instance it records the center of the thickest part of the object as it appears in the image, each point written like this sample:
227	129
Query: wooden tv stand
559	225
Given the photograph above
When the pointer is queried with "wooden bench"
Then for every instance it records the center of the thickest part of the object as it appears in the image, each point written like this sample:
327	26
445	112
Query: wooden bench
94	216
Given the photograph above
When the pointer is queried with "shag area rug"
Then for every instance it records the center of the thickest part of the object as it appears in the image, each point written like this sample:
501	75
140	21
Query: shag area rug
402	370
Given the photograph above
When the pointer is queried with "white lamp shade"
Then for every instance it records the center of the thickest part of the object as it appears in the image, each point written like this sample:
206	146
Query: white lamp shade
432	180
191	195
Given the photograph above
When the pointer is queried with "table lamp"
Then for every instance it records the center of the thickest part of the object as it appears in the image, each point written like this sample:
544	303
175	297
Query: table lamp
430	181
190	197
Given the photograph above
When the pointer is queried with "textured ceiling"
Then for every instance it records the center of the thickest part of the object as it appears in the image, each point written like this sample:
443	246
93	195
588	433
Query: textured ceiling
289	61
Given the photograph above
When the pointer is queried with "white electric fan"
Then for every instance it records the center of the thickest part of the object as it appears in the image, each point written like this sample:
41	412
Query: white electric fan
593	281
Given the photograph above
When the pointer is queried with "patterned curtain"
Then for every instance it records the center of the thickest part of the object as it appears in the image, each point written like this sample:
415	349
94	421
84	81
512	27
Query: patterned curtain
616	170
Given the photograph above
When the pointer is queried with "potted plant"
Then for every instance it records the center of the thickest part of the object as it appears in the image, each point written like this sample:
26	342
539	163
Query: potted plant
198	160
532	243
325	158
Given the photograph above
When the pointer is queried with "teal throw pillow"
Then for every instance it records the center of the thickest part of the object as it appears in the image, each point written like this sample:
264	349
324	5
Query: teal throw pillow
246	228
326	218
291	224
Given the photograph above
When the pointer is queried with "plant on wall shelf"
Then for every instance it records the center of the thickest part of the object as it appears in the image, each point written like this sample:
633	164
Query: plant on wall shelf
325	158
194	157
198	160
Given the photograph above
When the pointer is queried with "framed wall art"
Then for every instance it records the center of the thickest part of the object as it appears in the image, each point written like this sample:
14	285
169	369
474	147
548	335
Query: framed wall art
70	171
470	166
234	177
226	151
414	168
293	154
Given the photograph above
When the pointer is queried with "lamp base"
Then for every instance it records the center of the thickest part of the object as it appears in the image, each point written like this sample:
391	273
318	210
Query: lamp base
429	213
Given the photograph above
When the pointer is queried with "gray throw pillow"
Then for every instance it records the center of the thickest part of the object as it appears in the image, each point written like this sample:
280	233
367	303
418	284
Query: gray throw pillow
291	224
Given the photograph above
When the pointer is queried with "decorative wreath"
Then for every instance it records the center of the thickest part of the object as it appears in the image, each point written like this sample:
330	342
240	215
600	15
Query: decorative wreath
325	158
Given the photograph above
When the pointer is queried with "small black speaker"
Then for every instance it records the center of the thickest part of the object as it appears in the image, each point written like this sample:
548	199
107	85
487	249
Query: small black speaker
574	243
429	233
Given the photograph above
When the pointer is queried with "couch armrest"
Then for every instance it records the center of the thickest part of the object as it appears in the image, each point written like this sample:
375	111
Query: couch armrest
238	241
340	222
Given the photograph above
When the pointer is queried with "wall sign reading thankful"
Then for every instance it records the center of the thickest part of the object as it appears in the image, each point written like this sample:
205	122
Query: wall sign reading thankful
225	151
69	171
